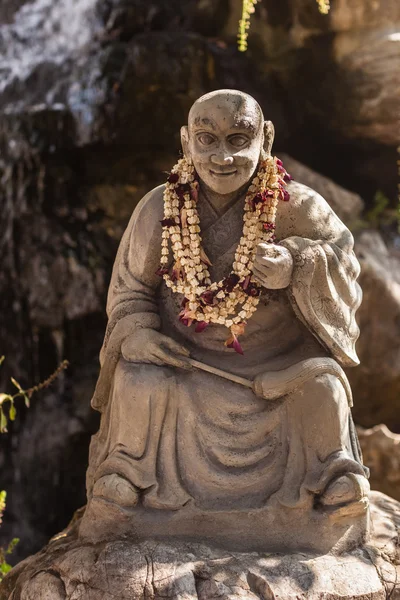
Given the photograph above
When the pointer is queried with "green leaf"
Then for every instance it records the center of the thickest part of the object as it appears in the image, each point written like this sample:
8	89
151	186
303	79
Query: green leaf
2	358
3	496
13	412
27	400
3	422
4	398
17	385
5	568
12	545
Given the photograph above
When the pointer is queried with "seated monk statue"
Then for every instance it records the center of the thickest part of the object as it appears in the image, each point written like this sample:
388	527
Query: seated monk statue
231	314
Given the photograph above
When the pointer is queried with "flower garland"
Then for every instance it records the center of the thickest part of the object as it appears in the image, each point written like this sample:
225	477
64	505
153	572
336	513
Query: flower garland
234	299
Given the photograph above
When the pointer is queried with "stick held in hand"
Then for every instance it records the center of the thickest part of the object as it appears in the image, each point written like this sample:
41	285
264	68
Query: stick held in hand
203	367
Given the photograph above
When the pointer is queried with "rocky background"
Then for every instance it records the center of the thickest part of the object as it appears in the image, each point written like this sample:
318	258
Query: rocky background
92	96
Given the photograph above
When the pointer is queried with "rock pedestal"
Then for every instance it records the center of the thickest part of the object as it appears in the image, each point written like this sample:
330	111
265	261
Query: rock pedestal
70	569
339	529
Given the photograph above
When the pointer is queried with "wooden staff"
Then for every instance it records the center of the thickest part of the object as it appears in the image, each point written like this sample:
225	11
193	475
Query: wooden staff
203	367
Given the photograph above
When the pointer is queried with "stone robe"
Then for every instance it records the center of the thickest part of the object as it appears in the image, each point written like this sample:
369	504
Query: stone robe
191	437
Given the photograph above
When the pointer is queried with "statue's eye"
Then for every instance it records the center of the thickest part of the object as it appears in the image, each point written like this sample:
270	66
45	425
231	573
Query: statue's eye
206	139
238	141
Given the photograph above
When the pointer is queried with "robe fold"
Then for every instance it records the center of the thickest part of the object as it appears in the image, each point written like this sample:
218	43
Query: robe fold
193	437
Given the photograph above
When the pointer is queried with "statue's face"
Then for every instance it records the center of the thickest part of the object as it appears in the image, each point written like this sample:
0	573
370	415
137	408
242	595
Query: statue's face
225	141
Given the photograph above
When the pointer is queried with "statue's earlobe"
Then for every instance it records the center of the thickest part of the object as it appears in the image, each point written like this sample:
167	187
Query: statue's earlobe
269	135
185	142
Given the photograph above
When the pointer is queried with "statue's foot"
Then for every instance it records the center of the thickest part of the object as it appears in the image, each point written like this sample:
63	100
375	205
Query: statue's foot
116	489
346	489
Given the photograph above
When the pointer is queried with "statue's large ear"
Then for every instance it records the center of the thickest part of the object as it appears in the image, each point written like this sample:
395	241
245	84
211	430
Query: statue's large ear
269	134
185	142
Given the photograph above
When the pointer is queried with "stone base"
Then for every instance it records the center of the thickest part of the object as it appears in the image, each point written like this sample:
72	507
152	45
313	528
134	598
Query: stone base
70	568
272	529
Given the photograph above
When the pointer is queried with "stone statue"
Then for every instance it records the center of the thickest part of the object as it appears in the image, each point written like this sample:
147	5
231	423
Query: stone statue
226	464
183	451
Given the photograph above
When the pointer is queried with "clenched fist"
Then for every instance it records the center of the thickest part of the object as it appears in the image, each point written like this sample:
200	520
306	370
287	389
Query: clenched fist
273	266
150	346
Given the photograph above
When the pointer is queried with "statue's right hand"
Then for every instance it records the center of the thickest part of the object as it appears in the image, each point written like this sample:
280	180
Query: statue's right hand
152	347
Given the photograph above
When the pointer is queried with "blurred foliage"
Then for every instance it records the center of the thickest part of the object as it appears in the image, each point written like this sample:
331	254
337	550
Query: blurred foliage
378	212
5	417
323	6
382	214
248	8
244	23
4	552
10	399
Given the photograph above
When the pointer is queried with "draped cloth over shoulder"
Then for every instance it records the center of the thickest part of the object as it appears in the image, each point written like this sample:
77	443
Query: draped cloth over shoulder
183	437
325	294
324	291
131	301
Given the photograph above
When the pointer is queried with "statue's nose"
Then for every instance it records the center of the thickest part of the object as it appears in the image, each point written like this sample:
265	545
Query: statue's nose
222	159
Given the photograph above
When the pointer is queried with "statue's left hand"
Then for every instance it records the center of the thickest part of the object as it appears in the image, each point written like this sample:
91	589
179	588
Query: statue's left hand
273	266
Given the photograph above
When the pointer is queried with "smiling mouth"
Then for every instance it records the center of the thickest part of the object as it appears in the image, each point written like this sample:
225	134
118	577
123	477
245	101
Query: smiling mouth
223	173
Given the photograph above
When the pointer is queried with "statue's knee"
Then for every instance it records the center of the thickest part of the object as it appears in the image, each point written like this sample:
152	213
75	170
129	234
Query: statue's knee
131	377
326	389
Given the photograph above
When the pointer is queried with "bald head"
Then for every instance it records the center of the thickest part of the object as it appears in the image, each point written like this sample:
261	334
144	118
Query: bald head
225	138
215	106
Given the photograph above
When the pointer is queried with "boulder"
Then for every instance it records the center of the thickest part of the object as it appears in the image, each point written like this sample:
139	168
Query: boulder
347	205
68	569
381	452
376	381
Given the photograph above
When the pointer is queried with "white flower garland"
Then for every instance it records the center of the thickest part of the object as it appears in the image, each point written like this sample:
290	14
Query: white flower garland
233	300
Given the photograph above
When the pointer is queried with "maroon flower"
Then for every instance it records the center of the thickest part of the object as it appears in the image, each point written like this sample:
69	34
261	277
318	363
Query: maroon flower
229	282
260	198
173	178
249	287
252	290
194	194
201	326
186	322
254	201
268	226
245	282
279	162
287	178
207	297
161	271
234	343
186	316
182	189
286	196
204	258
168	222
